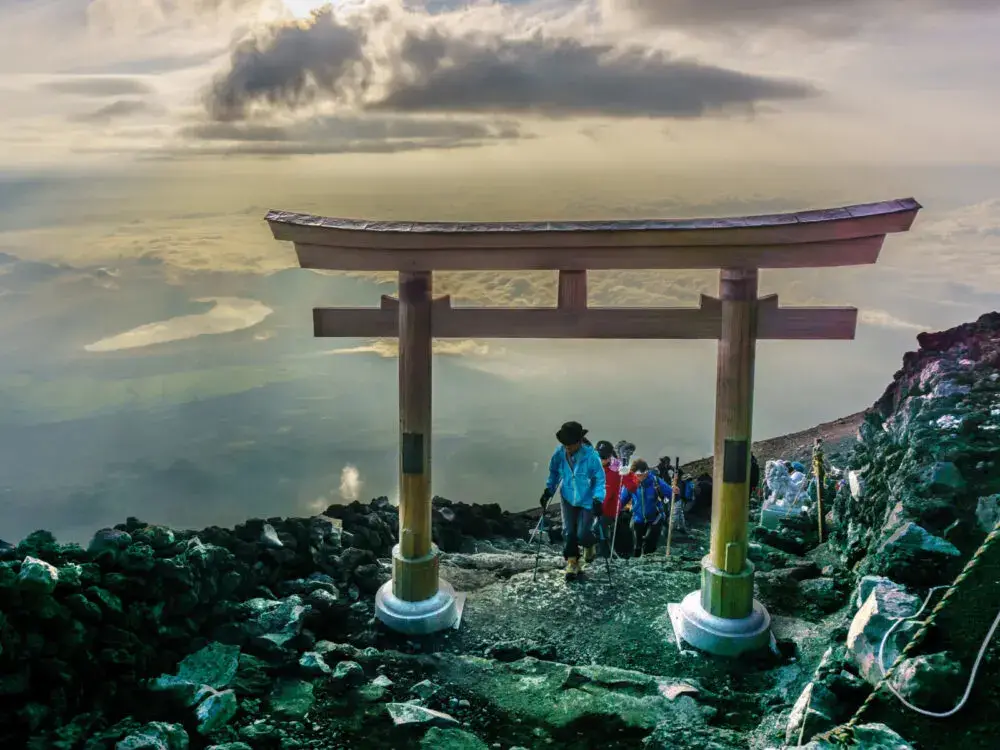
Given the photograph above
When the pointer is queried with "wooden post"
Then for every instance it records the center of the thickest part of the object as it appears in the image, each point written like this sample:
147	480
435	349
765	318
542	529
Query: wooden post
572	290
415	567
727	574
818	473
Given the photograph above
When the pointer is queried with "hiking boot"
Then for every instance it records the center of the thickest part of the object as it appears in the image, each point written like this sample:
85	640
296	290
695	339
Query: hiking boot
589	554
572	568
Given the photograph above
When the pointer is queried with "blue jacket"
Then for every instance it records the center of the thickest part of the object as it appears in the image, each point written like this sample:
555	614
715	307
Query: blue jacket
581	484
647	507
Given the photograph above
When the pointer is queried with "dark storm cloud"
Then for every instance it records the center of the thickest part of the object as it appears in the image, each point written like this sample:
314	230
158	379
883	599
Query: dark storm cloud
279	69
383	62
565	77
818	17
97	87
115	111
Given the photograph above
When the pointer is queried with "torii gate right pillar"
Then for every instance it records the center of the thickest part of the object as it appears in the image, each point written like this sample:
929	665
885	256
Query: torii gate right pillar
723	618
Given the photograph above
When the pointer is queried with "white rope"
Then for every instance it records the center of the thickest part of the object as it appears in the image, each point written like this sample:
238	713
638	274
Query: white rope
972	675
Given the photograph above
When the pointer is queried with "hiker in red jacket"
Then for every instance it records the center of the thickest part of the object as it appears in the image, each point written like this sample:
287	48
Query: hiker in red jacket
611	506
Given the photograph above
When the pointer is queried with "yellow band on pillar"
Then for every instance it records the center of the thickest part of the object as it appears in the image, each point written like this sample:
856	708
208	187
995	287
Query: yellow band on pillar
415	579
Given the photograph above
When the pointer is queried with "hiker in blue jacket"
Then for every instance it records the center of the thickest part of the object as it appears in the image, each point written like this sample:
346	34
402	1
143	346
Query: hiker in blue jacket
576	470
645	492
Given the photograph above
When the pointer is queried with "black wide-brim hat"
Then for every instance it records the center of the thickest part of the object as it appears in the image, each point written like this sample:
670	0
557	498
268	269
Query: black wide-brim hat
571	433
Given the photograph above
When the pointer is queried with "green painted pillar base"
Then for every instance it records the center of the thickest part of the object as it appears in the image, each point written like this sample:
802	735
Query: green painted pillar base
725	594
722	618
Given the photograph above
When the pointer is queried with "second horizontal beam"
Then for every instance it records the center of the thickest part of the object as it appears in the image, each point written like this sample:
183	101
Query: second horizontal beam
704	322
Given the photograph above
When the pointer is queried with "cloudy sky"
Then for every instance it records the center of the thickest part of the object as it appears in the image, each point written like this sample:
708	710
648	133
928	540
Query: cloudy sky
142	142
167	126
859	80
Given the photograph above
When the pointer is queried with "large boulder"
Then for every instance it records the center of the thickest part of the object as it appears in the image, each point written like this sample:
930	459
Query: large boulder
38	575
156	735
930	681
912	555
816	710
866	737
558	694
988	512
214	666
451	739
887	603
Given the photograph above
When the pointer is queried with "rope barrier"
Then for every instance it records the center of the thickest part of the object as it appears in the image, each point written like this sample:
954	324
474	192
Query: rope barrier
972	675
844	735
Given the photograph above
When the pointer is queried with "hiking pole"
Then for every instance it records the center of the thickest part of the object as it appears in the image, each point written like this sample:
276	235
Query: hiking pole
607	558
674	489
618	514
607	565
538	551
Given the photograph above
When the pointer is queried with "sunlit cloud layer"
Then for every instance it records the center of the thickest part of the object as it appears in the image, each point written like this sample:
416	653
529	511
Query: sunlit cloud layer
389	348
228	314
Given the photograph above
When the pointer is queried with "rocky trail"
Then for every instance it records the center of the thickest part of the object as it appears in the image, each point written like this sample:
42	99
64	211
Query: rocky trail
264	636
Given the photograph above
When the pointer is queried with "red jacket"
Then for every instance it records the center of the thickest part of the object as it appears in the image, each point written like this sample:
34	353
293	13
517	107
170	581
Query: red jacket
613	487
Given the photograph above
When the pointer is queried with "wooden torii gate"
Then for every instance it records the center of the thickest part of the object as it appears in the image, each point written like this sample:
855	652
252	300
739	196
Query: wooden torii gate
723	617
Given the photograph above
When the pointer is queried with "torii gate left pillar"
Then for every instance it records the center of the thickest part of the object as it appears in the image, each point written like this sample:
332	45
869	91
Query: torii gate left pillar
415	600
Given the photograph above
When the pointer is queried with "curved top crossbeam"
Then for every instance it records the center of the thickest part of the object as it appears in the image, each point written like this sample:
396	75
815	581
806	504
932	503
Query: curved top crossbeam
850	235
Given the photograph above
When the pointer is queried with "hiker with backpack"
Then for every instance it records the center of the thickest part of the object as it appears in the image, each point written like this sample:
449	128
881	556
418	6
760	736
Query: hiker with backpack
575	470
645	492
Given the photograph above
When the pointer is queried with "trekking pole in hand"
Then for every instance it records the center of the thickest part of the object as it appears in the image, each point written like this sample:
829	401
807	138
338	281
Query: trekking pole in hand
614	533
546	496
607	564
674	491
603	540
538	544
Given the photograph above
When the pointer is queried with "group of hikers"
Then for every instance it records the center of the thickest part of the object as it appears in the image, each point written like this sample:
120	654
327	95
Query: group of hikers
602	484
598	484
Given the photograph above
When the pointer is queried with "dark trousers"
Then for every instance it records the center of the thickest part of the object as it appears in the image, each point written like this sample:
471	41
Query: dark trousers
577	531
646	536
603	529
623	540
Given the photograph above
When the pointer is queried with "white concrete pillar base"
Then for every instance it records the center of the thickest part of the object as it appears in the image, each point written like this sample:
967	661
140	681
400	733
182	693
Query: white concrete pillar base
719	636
432	615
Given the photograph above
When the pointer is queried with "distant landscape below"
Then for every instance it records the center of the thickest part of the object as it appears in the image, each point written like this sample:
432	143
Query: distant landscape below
257	418
174	380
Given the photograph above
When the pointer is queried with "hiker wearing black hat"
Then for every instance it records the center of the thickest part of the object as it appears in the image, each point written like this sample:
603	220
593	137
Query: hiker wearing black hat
646	493
576	470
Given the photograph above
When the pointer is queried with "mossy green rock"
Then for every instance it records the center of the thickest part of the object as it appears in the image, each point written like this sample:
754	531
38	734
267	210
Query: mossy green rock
37	576
157	735
215	711
451	739
558	694
292	699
